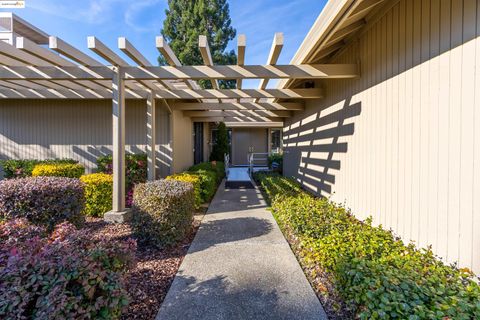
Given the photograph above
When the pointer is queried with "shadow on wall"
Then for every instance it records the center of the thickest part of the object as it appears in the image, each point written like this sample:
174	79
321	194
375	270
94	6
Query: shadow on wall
78	129
312	162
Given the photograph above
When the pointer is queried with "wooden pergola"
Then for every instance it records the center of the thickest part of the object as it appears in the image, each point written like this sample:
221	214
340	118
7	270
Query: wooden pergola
30	70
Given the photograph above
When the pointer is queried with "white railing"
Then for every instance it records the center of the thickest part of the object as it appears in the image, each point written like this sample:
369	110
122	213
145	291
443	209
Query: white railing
226	161
253	157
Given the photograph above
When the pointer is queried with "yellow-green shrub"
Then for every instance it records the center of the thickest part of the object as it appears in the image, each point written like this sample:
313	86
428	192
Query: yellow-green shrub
68	170
98	193
377	275
195	180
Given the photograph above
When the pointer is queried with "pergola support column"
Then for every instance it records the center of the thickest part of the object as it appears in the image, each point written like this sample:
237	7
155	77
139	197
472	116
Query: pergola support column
151	141
119	213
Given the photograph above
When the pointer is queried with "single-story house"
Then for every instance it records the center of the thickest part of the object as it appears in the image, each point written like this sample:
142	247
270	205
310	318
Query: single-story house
378	110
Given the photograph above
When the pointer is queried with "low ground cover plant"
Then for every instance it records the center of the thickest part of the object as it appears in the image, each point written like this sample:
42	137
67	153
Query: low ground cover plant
163	211
23	168
62	275
43	201
98	193
135	171
68	170
377	275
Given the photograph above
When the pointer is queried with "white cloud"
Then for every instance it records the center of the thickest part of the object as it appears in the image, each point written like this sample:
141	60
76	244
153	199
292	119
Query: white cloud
87	11
145	15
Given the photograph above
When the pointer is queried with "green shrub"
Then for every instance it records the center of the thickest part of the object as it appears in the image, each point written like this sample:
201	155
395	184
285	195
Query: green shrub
276	159
65	275
194	180
375	272
98	193
42	200
214	166
67	170
23	168
163	211
208	183
220	146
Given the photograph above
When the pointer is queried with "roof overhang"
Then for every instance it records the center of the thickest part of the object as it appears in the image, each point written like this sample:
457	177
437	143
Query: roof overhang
339	22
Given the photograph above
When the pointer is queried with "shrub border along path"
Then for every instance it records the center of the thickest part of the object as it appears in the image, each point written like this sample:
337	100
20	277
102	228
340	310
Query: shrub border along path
363	271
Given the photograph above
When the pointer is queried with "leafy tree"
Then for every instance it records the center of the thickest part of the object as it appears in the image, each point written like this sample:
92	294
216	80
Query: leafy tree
221	145
186	20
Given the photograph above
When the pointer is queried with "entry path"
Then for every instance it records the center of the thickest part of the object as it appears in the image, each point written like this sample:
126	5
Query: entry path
240	266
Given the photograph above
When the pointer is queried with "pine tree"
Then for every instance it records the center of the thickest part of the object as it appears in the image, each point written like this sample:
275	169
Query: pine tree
220	148
186	20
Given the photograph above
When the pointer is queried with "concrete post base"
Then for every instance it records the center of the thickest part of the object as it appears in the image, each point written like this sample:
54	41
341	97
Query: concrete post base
118	217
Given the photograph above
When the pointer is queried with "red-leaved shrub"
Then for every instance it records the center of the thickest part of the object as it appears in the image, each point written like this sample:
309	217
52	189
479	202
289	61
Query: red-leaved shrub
42	200
64	275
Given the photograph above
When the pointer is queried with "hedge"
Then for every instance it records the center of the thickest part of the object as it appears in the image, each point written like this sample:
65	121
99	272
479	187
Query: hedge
42	200
163	211
68	170
377	275
65	275
98	193
23	168
208	183
214	166
195	181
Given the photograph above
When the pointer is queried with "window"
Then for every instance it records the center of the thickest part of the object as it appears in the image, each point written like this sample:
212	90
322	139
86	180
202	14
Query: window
276	140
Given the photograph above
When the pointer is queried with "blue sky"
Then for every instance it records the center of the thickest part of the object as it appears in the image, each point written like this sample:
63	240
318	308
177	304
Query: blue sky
141	20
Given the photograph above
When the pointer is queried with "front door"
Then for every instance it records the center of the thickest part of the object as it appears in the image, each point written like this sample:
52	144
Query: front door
247	141
198	142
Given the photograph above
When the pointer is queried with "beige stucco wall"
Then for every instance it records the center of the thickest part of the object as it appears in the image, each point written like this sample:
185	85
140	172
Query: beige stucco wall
402	143
182	141
78	129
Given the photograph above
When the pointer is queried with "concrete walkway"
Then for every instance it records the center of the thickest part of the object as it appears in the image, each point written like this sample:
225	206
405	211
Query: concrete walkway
239	266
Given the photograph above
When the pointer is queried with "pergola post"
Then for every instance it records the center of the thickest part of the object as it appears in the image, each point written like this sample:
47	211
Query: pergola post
151	141
119	213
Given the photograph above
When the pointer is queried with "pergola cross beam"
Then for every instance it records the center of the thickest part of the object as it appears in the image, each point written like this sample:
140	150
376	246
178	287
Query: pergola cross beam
275	50
206	56
181	94
132	52
169	55
62	47
306	71
234	113
241	48
274	106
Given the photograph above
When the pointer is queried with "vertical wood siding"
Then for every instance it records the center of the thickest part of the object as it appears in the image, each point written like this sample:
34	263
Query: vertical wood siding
82	130
402	143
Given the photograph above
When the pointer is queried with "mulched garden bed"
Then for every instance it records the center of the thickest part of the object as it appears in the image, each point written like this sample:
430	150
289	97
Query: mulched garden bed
149	281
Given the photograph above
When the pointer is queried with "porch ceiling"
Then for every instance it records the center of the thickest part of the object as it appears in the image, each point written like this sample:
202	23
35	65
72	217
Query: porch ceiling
29	70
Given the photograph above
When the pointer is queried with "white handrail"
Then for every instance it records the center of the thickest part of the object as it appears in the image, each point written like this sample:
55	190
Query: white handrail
226	159
252	159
